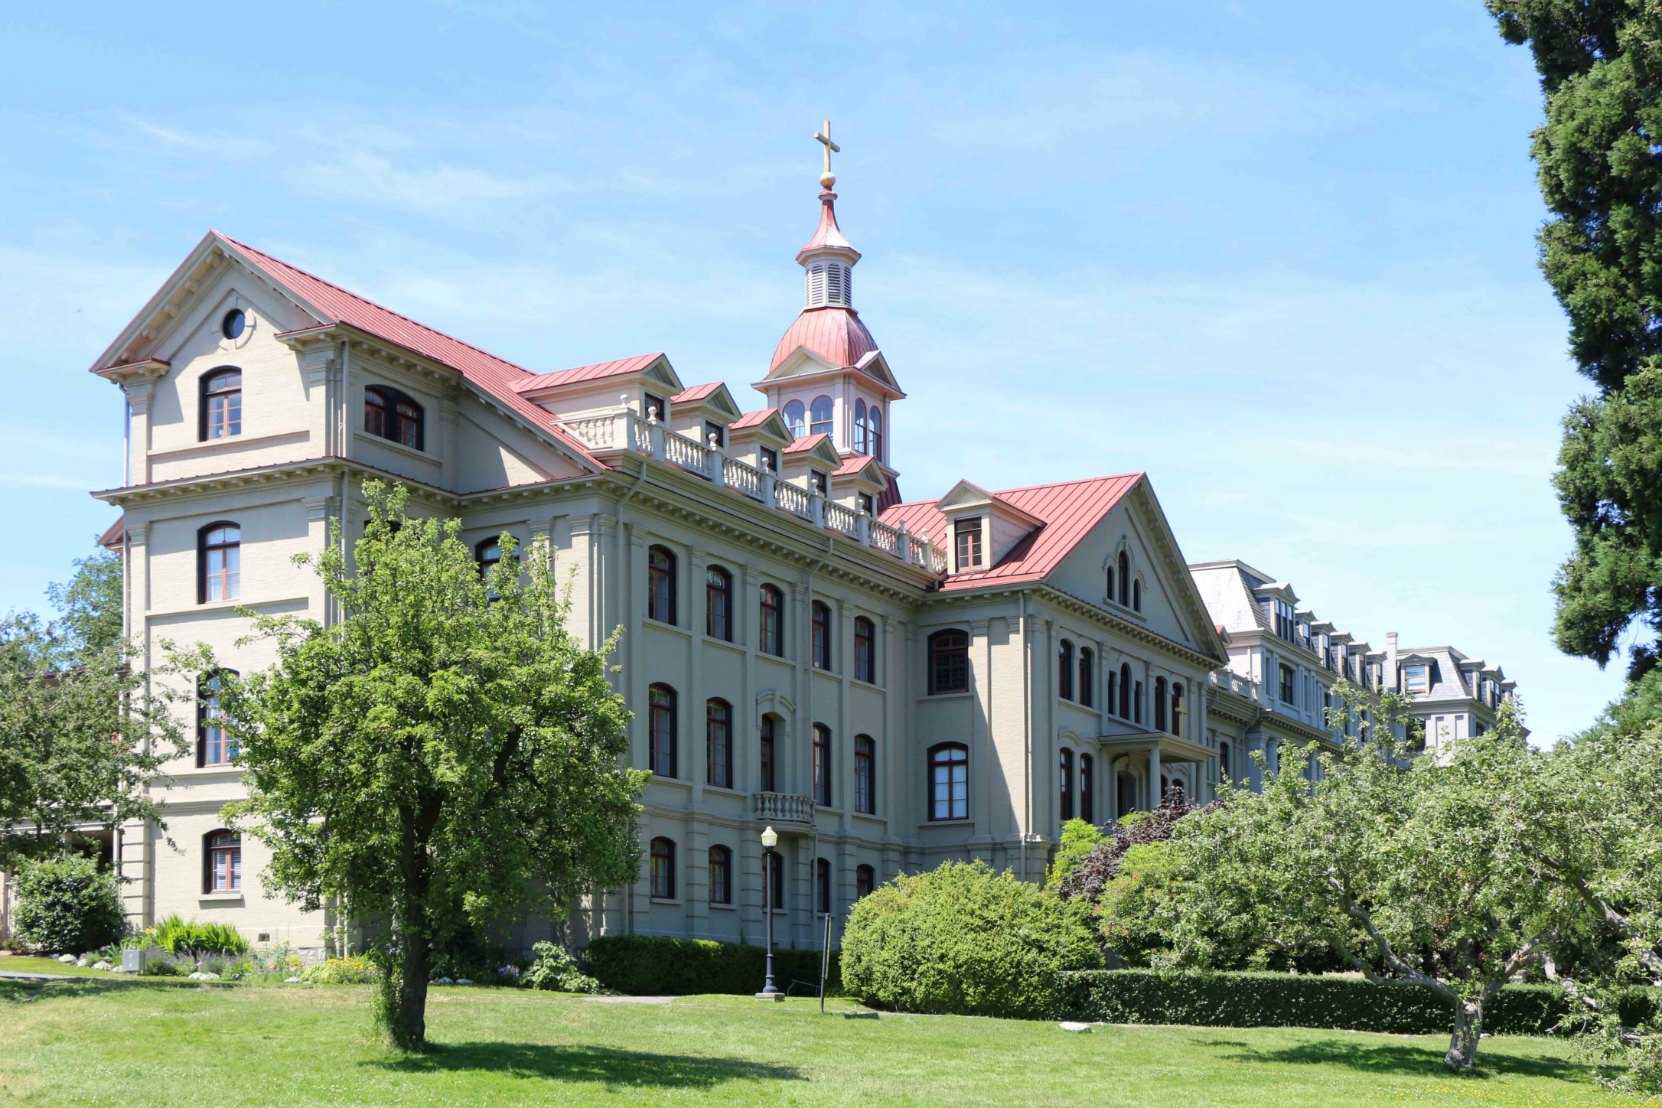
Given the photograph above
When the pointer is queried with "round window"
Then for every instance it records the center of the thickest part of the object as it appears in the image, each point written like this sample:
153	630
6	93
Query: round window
234	323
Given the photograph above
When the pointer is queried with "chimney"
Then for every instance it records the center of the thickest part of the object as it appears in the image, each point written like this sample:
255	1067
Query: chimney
1391	674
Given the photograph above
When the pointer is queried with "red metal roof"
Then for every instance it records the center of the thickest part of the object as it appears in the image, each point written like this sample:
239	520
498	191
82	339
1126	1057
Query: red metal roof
806	443
835	334
694	393
114	534
852	464
752	419
828	236
617	368
1069	511
494	375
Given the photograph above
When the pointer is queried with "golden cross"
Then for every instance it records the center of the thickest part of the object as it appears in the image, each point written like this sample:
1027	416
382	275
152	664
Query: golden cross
824	137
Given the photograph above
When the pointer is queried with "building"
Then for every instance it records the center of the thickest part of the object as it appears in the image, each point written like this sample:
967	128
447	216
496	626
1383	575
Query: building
887	683
1452	696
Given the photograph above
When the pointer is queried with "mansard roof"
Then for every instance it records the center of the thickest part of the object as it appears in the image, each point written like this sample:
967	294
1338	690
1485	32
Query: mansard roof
1067	512
330	305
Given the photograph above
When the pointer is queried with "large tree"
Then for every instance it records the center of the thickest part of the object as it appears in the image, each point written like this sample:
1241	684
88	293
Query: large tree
445	754
80	731
1412	871
1599	155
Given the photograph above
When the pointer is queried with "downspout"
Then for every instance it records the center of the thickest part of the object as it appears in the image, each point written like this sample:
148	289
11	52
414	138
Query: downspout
1026	727
808	712
619	559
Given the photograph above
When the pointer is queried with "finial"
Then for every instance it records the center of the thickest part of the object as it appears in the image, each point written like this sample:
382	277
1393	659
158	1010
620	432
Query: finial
827	179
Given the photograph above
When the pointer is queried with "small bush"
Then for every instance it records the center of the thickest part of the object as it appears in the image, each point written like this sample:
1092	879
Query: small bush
1305	1000
180	936
356	969
68	905
962	939
553	968
652	965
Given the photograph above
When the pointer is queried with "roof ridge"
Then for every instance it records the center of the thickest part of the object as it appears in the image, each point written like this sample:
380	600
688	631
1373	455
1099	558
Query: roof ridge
1075	481
378	307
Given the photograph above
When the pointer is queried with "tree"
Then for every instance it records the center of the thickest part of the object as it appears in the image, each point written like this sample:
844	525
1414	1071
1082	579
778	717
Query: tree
89	606
1413	871
1079	838
80	734
442	755
1600	63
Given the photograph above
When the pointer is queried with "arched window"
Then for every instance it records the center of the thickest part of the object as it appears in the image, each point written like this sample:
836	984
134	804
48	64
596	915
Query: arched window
819	416
822	764
1176	708
218	562
221	405
1065	775
822	886
213	746
949	781
821	635
1087	789
1125	690
392	415
773	621
860	427
660	584
1224	768
776	884
865	880
1124	564
661	727
765	759
1087	676
865	774
1137	702
874	431
1064	670
1137	595
865	650
1159	703
718	743
663	869
222	852
718	604
1110	591
487	553
948	662
721	875
795	415
1113	691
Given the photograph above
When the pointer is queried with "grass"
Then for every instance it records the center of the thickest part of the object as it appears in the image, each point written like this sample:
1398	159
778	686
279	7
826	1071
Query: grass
125	1041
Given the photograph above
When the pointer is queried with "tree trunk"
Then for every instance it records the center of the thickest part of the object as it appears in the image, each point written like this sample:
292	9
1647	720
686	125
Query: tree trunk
1468	1026
412	993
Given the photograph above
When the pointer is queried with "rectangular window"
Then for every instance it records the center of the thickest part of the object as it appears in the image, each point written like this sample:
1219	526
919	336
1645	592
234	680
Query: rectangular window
655	408
770	459
1289	693
1416	679
818	481
867	506
967	542
714	434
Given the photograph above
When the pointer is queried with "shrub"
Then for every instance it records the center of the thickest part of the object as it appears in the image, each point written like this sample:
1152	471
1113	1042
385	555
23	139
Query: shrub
67	905
553	968
1129	904
1079	838
652	965
962	939
355	969
179	936
1304	1000
1101	864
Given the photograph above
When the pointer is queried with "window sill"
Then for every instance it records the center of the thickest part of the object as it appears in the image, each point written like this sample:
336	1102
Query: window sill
726	790
864	684
965	822
360	435
664	899
220	898
955	694
725	644
649	621
725	906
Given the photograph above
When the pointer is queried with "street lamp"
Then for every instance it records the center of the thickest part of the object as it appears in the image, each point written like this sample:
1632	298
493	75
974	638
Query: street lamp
770	839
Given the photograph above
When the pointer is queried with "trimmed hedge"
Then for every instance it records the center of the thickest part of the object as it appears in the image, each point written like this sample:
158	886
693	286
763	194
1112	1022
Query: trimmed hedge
1303	1000
653	965
68	905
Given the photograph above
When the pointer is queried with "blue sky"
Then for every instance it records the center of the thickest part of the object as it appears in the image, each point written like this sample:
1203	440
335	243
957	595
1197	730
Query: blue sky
1280	256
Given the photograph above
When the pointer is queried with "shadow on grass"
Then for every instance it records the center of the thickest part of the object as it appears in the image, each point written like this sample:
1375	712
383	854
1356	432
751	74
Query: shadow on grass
17	990
1390	1058
601	1065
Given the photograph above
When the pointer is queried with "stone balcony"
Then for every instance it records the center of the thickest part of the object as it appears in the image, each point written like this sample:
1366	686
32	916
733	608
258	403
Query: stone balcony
784	811
625	432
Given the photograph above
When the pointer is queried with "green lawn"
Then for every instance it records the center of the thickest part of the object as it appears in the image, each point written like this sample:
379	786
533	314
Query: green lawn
128	1041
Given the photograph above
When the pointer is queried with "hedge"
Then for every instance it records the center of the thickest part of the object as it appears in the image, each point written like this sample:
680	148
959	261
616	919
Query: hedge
652	965
1304	1000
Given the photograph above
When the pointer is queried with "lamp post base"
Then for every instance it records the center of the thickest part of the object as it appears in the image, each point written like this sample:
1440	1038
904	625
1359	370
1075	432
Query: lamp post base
771	996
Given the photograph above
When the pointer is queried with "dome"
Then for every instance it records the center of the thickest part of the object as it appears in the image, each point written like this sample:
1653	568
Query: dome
835	334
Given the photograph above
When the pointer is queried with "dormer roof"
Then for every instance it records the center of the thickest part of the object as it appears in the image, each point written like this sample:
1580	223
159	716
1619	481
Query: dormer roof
813	448
653	366
711	397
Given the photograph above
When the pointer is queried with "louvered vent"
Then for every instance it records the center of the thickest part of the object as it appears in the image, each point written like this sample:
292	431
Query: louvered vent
834	284
816	284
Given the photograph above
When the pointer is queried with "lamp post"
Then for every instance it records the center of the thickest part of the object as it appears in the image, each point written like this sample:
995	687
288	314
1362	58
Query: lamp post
770	839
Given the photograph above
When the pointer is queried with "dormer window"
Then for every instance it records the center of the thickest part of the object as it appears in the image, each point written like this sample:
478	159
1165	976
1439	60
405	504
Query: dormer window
865	503
1416	679
818	482
967	543
770	459
389	414
714	434
655	407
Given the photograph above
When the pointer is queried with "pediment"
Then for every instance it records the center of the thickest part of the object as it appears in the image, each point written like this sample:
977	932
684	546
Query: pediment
814	448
